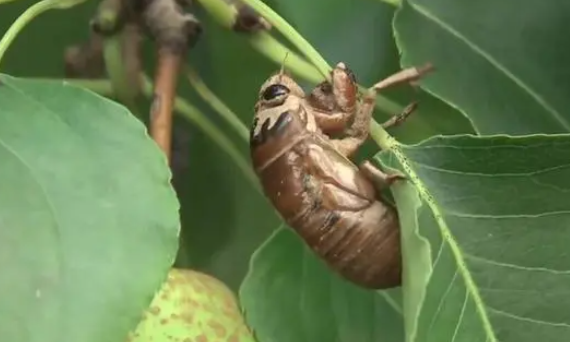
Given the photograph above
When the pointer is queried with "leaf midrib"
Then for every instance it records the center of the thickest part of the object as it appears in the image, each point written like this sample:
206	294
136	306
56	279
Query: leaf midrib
448	238
500	67
33	176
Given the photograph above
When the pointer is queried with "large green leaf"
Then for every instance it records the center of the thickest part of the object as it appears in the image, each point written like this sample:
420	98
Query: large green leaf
290	295
88	219
484	241
223	218
484	233
504	63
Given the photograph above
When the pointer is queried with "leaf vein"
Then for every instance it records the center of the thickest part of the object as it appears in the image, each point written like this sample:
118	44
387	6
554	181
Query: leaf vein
441	303
460	315
505	146
302	302
43	106
524	292
36	179
526	319
391	301
437	257
447	237
514	266
495	63
479	174
506	216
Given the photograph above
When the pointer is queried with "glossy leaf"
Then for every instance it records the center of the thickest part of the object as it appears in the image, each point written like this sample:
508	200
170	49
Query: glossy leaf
484	234
223	218
502	63
88	219
290	295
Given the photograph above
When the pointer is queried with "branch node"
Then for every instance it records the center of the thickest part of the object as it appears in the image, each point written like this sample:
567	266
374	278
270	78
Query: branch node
249	21
85	60
110	17
170	27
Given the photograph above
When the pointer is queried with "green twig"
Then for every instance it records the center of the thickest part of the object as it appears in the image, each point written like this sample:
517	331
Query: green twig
381	137
218	105
275	51
225	15
115	65
198	118
109	23
292	35
28	15
271	48
218	137
395	3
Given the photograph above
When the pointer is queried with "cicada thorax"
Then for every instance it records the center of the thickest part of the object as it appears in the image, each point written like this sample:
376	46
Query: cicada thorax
273	138
326	200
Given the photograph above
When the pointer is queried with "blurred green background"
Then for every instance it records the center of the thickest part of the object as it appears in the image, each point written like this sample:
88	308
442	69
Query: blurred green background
224	219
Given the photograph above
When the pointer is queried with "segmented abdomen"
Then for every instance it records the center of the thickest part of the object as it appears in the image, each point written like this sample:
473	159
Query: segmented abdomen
358	244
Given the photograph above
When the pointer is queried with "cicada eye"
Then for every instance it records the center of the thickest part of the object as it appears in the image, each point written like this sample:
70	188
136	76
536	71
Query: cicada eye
326	88
274	91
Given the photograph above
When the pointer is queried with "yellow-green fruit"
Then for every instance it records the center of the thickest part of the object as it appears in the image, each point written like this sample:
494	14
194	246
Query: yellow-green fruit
192	307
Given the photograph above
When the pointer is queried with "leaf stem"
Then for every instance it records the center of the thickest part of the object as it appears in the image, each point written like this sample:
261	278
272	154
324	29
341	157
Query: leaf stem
381	137
198	118
113	55
292	35
221	10
263	42
29	14
395	3
218	105
271	48
118	41
275	51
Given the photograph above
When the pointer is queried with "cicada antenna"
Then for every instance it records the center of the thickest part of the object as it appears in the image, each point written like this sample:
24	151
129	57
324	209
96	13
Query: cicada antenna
282	70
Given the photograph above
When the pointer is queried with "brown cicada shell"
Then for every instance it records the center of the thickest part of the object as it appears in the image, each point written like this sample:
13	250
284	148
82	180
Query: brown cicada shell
308	177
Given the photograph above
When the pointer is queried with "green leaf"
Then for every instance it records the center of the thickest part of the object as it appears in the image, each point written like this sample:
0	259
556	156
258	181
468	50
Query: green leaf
223	218
485	238
88	219
290	295
503	63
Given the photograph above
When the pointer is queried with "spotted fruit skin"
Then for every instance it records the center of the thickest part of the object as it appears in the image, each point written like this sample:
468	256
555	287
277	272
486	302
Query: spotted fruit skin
192	307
